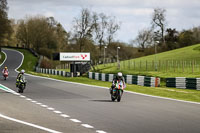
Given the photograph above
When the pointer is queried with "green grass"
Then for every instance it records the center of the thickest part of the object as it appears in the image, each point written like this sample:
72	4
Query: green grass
188	95
183	62
30	61
2	57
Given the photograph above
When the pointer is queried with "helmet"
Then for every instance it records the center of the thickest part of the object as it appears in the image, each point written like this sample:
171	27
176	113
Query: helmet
119	75
6	67
23	71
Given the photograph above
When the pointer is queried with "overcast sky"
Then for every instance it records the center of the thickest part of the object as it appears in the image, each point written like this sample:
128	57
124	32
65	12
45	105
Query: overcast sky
133	14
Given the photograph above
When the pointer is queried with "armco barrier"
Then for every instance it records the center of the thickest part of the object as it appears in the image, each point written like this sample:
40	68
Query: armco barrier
183	83
53	72
129	79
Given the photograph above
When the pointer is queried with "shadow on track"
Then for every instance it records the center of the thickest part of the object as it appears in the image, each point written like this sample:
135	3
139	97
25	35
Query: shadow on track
101	100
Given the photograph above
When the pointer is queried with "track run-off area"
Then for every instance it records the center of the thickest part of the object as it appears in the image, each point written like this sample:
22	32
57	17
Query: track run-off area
49	105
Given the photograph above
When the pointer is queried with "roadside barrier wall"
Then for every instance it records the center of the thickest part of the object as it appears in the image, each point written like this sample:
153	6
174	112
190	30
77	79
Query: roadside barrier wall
129	79
53	72
183	83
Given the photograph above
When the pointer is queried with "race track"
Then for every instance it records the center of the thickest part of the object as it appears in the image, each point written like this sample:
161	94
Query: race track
91	106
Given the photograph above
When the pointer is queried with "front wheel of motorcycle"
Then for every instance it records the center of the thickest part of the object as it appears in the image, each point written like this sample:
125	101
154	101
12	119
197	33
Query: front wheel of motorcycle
119	96
112	98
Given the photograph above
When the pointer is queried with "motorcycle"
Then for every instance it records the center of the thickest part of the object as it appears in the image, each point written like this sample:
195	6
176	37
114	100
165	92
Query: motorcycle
22	85
117	91
5	75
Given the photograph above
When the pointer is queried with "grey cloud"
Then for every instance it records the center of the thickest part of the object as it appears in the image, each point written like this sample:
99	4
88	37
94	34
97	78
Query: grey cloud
134	14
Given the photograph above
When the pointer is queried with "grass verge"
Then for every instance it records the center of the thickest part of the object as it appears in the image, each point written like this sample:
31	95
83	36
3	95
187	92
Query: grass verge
2	57
30	61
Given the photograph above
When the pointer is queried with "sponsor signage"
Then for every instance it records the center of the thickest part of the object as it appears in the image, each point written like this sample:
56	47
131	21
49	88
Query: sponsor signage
75	56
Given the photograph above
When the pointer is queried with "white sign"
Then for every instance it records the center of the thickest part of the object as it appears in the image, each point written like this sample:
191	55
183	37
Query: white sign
74	56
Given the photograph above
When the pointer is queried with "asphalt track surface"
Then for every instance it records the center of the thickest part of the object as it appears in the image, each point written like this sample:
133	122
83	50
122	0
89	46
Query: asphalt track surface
90	105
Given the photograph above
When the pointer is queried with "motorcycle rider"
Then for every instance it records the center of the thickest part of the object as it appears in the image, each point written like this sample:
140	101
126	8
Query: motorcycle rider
118	78
20	77
5	70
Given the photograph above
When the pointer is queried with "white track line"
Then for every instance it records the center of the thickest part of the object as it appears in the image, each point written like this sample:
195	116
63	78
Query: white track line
100	131
57	112
87	126
75	120
34	101
64	115
29	124
28	99
50	108
45	106
8	89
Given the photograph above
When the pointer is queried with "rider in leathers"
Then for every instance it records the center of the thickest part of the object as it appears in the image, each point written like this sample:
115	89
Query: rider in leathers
20	78
118	78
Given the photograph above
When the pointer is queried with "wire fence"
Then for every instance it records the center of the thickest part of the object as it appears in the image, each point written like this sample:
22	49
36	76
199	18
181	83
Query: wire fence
189	66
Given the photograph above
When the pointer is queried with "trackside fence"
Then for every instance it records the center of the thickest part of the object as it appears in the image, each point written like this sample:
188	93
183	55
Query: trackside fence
53	72
129	79
183	83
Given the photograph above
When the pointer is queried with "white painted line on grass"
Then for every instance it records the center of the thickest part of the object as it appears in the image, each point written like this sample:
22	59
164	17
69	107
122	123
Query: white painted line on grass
100	131
75	120
57	112
29	124
87	126
64	115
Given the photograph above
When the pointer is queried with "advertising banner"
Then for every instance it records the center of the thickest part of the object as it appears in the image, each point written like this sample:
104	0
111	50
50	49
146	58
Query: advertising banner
74	56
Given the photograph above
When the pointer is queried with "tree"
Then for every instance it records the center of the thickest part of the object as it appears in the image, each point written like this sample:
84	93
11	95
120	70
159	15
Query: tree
83	27
22	33
196	34
45	35
112	28
5	27
62	37
171	38
125	52
144	38
100	26
186	38
159	21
